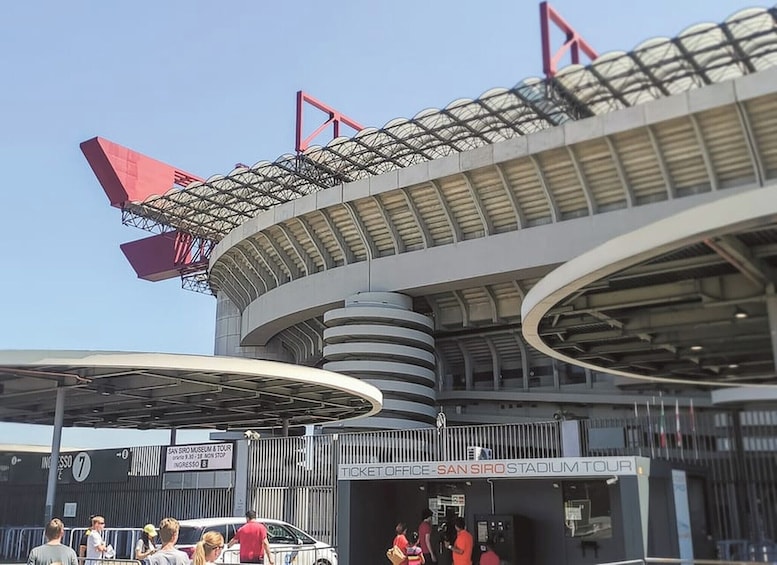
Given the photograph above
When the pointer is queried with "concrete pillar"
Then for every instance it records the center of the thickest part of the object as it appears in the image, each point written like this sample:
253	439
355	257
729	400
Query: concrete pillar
56	441
771	309
344	522
377	337
228	336
240	492
570	438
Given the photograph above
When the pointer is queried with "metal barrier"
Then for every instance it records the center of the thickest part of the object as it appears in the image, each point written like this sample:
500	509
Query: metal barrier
675	561
111	561
294	555
16	543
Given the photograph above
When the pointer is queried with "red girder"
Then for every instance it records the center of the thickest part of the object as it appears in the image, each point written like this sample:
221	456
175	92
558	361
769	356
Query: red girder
574	41
127	176
335	118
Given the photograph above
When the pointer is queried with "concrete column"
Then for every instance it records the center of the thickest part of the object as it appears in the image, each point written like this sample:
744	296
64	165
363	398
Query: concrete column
56	441
771	309
570	438
344	522
228	336
631	508
240	491
377	337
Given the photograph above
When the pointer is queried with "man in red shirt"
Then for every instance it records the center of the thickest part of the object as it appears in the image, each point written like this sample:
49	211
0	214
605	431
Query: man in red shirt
462	549
252	537
425	537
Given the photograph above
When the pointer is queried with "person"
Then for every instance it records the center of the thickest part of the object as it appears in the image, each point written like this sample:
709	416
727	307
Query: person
84	540
448	531
415	556
400	540
95	544
462	548
168	554
145	545
252	537
208	548
489	557
53	551
425	536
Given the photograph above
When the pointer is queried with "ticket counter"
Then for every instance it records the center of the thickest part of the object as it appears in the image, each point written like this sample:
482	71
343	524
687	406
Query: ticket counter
540	511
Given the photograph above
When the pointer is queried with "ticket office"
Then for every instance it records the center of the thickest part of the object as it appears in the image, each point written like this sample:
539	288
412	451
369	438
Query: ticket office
546	519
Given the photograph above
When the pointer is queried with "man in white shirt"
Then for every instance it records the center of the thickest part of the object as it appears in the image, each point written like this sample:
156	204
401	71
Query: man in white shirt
95	545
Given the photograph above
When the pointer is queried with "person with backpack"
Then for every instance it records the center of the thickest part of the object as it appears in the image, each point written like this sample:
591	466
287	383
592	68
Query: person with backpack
415	555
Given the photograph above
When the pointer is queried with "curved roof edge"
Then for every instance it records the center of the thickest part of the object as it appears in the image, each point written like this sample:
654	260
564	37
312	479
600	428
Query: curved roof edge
750	208
80	368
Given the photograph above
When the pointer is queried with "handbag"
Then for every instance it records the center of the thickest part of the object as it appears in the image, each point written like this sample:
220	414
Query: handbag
395	555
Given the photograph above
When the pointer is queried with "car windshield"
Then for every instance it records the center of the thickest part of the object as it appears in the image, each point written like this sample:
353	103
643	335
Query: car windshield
189	535
303	537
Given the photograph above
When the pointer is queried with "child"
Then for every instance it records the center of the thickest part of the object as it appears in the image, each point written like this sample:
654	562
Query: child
413	551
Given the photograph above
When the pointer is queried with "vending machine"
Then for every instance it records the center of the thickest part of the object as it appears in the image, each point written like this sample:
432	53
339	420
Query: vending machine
510	534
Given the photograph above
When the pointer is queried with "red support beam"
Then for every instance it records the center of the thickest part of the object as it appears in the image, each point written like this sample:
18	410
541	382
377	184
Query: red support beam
335	118
167	255
128	176
574	41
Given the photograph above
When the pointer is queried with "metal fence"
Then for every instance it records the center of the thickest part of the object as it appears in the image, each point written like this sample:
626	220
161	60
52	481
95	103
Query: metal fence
737	451
506	441
292	555
16	543
294	479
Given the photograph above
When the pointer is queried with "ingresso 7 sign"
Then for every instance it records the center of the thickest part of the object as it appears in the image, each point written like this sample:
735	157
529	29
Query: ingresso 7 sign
201	457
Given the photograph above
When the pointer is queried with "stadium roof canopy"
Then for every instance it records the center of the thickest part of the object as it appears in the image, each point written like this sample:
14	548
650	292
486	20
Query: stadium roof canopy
701	55
163	391
689	299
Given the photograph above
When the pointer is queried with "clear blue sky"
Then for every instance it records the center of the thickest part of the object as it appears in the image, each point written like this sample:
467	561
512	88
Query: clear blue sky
204	85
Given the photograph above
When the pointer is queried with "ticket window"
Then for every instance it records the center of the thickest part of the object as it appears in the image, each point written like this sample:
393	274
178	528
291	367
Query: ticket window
587	513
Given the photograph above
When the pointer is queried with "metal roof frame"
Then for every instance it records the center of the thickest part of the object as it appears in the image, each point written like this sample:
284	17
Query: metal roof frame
704	53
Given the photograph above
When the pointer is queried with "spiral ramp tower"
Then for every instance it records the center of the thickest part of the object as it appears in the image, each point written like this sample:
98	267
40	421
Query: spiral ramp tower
378	337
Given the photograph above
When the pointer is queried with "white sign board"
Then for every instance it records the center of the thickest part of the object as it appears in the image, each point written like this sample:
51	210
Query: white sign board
503	468
69	511
573	513
682	515
201	457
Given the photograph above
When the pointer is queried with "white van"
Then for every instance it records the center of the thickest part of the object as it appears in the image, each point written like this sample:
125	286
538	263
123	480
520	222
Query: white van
289	545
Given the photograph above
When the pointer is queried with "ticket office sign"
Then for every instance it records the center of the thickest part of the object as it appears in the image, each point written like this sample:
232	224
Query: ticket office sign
199	457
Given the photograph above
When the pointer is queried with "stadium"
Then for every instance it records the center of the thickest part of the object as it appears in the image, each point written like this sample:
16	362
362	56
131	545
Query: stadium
583	247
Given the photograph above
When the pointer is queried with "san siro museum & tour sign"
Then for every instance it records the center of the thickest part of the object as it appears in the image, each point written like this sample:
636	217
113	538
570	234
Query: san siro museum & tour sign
496	468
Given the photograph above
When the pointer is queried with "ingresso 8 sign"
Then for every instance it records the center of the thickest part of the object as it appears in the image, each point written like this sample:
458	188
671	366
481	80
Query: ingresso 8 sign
200	457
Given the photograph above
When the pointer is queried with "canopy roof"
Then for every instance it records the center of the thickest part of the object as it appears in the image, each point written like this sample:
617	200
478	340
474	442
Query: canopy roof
687	299
702	54
157	390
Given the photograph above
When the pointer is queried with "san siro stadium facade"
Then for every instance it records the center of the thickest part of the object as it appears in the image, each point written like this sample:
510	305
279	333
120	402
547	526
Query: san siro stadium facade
405	255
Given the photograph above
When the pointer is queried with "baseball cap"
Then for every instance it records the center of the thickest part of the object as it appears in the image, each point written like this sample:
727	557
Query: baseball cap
150	530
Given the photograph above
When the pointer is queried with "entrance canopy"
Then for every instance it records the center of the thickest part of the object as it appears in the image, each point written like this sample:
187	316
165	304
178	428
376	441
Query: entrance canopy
159	390
689	299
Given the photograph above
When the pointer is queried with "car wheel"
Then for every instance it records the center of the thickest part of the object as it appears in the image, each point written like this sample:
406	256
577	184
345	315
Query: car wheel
322	562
